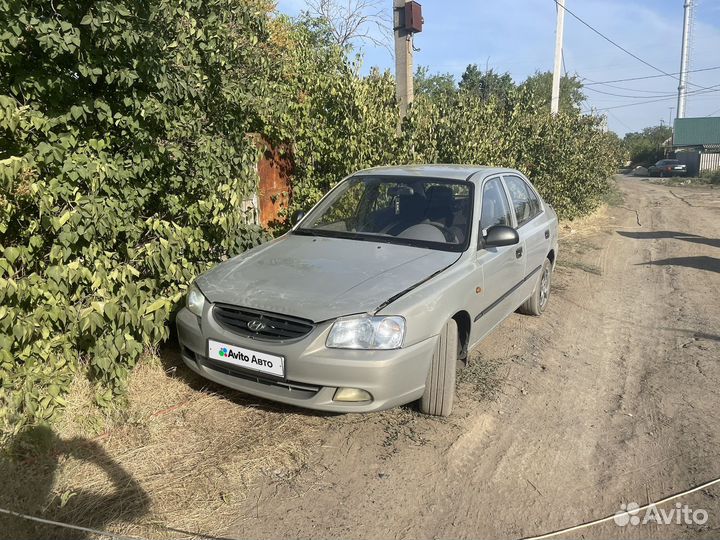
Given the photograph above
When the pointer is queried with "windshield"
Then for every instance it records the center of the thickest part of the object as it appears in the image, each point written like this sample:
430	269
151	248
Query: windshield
425	212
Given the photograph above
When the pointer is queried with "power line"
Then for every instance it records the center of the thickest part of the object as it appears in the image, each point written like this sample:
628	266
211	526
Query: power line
635	104
620	121
661	92
710	90
616	44
649	76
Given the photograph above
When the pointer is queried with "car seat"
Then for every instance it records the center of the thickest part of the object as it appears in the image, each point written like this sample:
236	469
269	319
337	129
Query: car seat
410	211
440	205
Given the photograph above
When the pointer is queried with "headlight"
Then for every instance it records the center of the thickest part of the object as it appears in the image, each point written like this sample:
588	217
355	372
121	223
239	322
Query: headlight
365	332
195	300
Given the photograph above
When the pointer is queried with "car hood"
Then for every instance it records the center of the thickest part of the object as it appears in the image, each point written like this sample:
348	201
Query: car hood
320	278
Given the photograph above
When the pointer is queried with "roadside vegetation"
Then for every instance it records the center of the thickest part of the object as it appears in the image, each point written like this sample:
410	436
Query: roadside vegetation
645	148
127	146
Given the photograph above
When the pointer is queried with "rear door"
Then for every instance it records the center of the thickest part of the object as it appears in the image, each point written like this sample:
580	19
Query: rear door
532	227
501	267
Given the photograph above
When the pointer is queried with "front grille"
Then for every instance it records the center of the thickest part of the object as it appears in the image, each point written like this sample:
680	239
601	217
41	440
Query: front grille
258	324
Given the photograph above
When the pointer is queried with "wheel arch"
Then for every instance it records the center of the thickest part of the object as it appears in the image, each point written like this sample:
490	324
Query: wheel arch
551	257
464	324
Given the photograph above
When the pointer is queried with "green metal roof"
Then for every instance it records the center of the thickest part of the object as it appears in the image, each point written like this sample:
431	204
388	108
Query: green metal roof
696	131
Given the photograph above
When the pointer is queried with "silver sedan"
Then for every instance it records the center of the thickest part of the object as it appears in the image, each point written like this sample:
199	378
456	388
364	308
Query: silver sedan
373	297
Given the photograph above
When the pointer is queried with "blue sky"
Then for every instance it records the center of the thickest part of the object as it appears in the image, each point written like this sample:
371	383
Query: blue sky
518	36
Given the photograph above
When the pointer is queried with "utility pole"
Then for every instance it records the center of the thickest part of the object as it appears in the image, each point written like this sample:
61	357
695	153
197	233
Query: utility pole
670	122
403	58
559	27
684	59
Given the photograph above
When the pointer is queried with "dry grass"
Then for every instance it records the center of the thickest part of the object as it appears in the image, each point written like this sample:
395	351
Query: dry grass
179	456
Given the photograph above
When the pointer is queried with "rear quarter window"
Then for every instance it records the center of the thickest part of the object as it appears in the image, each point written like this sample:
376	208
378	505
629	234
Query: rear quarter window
524	200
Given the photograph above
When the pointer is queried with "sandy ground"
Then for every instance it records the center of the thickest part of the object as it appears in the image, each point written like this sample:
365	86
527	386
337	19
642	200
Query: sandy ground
610	397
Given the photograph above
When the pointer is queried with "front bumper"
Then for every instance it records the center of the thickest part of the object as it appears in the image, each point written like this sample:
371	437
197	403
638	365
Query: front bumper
312	371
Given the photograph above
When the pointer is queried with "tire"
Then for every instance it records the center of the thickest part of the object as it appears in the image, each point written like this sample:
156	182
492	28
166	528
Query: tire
440	384
538	301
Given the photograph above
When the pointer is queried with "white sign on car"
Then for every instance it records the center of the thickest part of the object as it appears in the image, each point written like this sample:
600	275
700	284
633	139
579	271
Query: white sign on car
246	358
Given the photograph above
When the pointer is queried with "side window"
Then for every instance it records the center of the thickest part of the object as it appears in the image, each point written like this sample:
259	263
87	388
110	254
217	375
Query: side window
495	208
535	206
525	202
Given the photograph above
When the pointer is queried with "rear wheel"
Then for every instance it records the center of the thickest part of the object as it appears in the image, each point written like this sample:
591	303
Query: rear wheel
440	385
537	303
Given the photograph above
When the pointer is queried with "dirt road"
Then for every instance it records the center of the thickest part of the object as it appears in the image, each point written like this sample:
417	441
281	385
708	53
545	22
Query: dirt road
611	397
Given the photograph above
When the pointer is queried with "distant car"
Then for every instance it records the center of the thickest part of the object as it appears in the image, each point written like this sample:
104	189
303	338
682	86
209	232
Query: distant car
373	297
667	167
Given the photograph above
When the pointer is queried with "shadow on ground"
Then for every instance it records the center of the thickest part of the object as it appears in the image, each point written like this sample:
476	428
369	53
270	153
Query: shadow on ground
653	235
28	465
700	262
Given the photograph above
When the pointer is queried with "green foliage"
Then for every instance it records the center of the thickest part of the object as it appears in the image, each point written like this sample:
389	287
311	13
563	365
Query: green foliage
337	121
434	85
487	84
568	157
123	159
645	147
539	86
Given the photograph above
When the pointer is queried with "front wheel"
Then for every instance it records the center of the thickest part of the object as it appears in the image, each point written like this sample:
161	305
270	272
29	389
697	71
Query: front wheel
537	303
440	384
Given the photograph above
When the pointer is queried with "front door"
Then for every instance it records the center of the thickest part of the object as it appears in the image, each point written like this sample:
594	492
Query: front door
502	268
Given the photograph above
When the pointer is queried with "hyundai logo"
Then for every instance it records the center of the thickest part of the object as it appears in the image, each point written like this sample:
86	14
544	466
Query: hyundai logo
256	326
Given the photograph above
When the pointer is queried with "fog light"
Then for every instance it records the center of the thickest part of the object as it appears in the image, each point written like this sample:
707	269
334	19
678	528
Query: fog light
351	394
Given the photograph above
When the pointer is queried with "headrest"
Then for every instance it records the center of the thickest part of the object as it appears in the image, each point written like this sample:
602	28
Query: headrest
440	203
411	207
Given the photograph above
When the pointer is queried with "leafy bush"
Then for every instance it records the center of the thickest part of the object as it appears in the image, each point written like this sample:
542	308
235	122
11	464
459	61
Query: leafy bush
568	157
339	122
123	162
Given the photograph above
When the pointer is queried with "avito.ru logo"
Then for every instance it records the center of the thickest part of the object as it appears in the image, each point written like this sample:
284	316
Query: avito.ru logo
681	514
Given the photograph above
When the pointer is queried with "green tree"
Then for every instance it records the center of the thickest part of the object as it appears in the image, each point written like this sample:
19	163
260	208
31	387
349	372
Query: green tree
487	84
433	85
646	147
539	87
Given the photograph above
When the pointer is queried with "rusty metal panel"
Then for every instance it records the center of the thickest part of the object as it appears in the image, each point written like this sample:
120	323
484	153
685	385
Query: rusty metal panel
413	17
275	169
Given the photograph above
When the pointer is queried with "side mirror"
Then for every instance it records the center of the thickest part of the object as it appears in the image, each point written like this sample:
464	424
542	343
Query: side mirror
297	215
500	235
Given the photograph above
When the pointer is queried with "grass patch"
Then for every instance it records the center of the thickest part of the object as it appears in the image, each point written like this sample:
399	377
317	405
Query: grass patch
180	455
613	196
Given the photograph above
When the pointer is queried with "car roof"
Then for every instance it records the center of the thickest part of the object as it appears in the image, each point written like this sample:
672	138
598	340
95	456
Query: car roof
445	171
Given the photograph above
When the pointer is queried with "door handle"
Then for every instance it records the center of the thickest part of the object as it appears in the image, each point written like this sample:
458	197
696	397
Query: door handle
547	234
518	253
